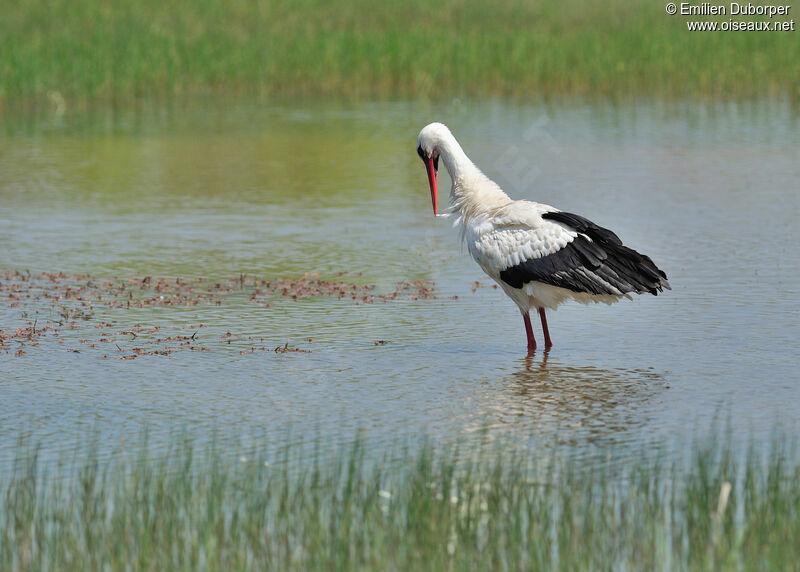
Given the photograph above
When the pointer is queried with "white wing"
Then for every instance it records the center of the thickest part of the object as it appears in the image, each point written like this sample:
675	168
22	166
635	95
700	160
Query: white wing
527	242
513	234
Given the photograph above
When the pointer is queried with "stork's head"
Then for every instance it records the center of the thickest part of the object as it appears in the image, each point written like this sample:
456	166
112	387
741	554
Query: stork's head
428	145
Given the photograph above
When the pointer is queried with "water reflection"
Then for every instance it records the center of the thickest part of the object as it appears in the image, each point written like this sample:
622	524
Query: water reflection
582	403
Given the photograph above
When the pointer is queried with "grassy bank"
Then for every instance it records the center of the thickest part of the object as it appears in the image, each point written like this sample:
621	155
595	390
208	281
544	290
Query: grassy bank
75	53
426	509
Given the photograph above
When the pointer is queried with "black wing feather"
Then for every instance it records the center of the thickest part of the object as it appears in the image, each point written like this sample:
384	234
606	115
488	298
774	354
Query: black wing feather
595	262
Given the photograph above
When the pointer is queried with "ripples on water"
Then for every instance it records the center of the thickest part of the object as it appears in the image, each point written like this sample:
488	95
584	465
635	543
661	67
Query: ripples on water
275	192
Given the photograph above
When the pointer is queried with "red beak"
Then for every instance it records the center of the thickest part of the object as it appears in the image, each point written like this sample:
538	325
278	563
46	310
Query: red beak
429	166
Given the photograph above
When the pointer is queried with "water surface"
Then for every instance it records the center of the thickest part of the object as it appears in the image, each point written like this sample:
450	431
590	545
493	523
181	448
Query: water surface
218	192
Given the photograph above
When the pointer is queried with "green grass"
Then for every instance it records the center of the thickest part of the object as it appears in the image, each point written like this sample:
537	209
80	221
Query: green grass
82	52
424	508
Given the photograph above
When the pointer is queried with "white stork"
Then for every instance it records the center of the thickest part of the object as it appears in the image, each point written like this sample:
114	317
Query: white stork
538	254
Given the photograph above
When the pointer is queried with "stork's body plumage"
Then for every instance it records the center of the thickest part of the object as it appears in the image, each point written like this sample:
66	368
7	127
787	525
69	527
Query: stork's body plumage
539	255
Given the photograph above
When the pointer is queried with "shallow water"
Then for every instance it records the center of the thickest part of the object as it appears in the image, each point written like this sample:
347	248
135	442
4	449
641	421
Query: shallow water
221	192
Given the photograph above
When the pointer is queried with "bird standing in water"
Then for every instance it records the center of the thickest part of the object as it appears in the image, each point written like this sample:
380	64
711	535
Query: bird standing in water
539	255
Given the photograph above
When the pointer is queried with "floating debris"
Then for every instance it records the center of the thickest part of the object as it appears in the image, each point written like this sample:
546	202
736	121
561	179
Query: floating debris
286	349
72	302
79	294
478	284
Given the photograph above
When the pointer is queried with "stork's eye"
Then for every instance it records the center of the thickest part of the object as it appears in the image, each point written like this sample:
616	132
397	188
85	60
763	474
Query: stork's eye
421	153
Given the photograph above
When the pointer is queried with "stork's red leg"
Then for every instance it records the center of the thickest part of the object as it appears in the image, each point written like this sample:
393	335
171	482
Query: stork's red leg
547	342
529	332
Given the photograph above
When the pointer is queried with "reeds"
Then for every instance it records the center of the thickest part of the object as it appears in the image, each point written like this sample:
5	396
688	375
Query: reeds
423	507
69	52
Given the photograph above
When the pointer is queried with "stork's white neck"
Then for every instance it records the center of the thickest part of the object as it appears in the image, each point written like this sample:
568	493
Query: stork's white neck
455	160
472	192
